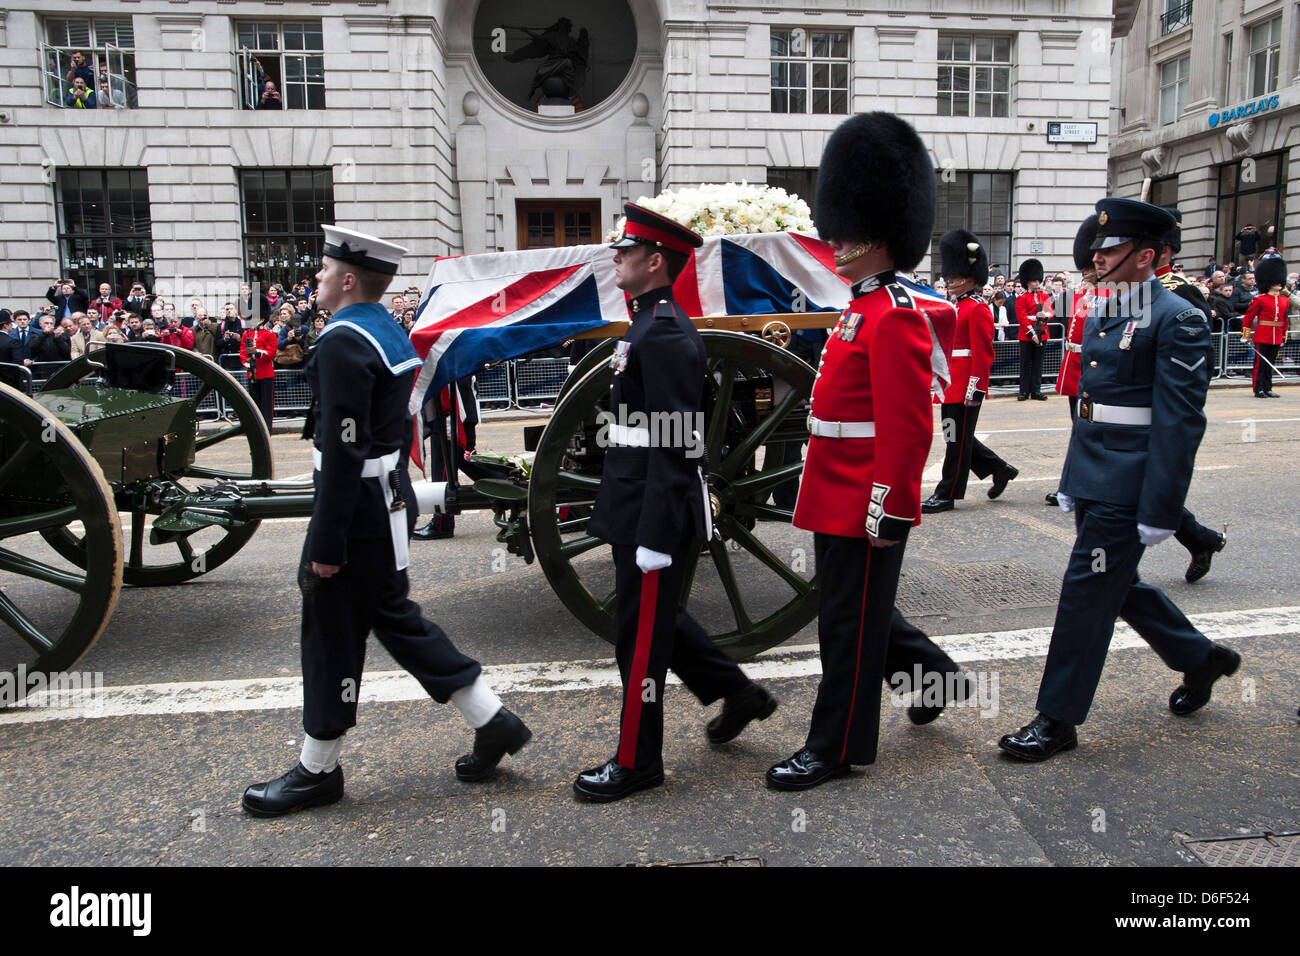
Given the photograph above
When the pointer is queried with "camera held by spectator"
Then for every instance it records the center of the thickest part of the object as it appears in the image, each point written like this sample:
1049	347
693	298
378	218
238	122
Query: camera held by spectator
270	97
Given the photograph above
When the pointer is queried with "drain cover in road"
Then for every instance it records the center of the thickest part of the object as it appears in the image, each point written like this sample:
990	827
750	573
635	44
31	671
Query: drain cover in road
1268	849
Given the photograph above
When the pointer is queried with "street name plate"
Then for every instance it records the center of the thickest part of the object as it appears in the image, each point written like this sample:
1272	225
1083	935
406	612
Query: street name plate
1060	131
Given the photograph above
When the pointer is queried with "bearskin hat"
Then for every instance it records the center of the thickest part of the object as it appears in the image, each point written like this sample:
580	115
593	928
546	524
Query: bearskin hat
1270	271
876	181
1174	237
1031	270
1083	240
962	257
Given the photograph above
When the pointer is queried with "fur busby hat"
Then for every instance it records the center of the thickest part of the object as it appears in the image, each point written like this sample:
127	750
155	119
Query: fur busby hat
876	181
962	257
1174	237
1083	240
1031	270
1270	271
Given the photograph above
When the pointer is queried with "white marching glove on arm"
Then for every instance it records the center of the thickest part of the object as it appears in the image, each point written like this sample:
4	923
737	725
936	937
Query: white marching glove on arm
1150	536
1064	502
648	560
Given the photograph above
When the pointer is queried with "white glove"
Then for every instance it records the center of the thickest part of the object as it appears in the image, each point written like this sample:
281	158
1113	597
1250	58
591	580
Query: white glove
1065	502
648	560
1152	536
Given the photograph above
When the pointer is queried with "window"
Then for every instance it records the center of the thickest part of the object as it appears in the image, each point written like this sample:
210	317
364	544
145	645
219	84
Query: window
1227	67
283	213
1265	55
1173	89
810	71
100	52
546	224
105	233
1178	14
980	202
288	55
796	180
974	75
1252	192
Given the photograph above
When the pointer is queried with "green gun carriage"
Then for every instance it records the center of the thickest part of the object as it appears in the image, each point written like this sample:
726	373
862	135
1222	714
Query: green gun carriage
106	478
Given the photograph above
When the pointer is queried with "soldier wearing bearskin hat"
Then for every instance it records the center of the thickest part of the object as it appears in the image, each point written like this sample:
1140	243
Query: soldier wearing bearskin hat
870	429
964	269
1033	311
1265	322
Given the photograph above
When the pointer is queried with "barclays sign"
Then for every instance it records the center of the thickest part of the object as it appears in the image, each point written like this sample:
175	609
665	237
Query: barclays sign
1247	109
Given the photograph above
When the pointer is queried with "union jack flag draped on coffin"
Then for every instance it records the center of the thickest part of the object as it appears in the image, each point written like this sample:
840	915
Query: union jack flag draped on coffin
499	305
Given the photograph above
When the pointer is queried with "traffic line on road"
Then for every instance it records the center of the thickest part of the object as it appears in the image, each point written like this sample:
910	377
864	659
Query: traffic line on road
285	693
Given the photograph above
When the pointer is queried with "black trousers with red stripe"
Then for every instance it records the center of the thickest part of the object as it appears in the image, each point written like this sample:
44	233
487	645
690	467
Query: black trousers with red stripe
654	634
858	587
963	452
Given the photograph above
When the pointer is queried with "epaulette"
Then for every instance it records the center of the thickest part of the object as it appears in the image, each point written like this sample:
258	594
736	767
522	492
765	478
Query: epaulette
902	299
665	309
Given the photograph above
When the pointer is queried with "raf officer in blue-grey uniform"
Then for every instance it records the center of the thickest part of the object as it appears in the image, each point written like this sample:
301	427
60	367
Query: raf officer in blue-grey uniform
1140	421
353	569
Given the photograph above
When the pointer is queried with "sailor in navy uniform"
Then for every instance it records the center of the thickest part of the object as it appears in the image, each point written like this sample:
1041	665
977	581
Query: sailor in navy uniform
1132	449
353	568
651	507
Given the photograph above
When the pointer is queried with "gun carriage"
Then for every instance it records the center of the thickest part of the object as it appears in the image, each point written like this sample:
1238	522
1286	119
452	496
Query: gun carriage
107	479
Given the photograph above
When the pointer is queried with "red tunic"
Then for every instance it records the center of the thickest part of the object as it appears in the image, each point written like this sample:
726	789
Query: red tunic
266	341
1266	319
880	373
1027	307
1067	379
972	351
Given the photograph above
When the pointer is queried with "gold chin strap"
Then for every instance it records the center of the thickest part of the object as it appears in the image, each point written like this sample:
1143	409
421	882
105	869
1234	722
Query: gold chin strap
854	254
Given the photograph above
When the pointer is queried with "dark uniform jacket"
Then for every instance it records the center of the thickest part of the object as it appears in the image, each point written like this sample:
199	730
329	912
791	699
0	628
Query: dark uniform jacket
361	380
651	497
1163	367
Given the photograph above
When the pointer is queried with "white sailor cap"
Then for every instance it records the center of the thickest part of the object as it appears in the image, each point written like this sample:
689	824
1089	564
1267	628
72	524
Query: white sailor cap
359	249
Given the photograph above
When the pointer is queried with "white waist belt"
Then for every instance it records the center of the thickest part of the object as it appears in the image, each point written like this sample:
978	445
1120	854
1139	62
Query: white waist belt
961	353
841	429
379	469
1073	347
630	437
1114	414
373	468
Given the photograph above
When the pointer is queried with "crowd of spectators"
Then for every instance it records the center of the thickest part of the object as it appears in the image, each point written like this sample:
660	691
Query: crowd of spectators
71	323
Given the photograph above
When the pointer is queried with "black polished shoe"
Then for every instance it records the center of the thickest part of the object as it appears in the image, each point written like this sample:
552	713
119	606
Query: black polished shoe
934	504
1039	739
752	703
296	790
921	714
1052	500
1200	563
1194	692
1022	398
804	771
611	782
503	734
1040	397
1000	481
1271	394
431	533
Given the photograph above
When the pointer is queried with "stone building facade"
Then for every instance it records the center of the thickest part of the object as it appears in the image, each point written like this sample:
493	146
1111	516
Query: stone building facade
409	118
1206	104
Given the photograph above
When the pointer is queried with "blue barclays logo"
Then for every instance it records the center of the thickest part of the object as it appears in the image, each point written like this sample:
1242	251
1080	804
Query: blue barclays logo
1248	109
